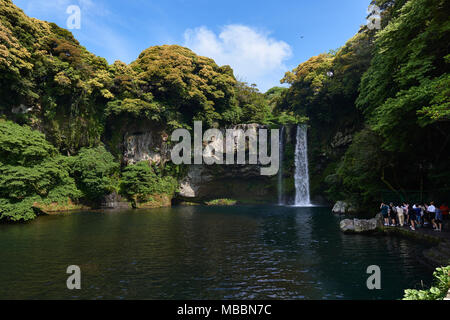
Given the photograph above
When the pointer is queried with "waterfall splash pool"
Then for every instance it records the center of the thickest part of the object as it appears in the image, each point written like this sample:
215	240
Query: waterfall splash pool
241	252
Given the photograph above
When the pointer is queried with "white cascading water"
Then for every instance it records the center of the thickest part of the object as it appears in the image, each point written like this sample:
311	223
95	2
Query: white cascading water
302	197
280	171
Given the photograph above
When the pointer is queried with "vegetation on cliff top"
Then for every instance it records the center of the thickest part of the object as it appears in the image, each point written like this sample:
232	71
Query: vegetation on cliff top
52	83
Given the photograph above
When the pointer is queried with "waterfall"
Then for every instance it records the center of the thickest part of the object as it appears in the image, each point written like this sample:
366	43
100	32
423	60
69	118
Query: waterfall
301	168
280	171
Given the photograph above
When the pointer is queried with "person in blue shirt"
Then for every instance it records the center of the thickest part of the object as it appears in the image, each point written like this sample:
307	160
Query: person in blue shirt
385	212
418	214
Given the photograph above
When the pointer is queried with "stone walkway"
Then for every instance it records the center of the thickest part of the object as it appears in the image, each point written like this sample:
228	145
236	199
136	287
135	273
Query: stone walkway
444	235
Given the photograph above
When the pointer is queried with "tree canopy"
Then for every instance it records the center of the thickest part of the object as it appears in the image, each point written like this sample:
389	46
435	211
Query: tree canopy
405	92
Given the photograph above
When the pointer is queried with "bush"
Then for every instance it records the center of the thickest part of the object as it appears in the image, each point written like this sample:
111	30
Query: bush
95	172
32	173
437	292
139	182
221	202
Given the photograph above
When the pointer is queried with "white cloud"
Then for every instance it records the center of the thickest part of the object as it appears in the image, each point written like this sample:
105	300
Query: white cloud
253	54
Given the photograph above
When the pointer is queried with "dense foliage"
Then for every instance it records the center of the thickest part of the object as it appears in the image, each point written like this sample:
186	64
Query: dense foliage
406	99
50	81
32	173
140	182
186	86
95	171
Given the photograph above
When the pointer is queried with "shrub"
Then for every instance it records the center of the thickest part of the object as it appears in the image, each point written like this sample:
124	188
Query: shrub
139	182
221	202
437	292
95	172
31	173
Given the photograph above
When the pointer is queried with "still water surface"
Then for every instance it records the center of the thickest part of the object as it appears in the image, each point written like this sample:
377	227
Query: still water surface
242	252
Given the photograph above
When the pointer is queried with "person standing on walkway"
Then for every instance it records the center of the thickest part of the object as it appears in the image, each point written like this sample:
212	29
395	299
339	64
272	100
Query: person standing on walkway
437	221
385	212
413	213
400	215
422	214
406	212
393	214
431	211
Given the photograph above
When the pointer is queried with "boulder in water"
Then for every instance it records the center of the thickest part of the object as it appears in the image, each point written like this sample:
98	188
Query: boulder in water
347	226
361	225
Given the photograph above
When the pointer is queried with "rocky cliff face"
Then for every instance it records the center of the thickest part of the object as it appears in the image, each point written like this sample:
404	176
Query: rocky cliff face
203	182
243	183
146	146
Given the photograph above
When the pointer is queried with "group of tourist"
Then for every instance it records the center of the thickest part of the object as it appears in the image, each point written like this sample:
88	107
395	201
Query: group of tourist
417	215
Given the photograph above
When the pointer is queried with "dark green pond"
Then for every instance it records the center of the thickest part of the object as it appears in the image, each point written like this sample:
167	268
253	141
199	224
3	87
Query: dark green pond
244	252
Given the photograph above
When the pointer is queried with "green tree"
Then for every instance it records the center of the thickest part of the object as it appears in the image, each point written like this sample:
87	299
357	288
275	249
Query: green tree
49	80
404	93
95	171
359	176
253	104
188	86
31	173
139	182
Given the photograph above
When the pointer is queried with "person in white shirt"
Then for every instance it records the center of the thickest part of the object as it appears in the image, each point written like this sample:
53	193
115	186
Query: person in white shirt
401	216
431	210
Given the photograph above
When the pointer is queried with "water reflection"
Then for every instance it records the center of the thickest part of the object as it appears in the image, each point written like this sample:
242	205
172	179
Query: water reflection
245	252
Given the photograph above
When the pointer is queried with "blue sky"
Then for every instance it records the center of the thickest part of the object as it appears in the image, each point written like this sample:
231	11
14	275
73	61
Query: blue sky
261	40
